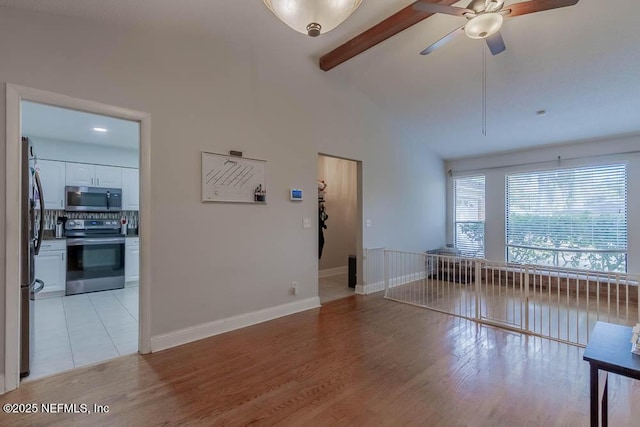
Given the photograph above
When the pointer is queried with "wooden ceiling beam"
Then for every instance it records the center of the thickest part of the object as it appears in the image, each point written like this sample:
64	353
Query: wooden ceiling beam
391	26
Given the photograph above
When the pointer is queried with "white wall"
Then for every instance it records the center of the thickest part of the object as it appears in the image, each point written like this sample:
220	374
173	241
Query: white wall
68	151
341	205
621	149
212	261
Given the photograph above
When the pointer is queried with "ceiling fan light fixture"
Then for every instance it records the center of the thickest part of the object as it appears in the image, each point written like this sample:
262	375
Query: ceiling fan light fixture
312	17
483	26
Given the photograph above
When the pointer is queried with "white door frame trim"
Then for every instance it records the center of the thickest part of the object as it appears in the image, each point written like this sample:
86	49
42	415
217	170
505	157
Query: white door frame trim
14	95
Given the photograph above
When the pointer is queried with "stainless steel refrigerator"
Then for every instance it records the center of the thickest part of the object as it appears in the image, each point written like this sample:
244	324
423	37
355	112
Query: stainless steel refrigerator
30	241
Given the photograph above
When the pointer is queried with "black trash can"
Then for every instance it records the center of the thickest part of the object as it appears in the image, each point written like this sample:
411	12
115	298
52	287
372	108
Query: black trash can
353	271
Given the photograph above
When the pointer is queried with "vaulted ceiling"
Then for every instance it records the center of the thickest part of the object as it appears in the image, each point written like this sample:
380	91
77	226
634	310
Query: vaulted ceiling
580	64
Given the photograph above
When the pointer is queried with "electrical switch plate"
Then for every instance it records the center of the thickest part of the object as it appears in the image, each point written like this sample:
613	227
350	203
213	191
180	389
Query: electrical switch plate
306	222
368	223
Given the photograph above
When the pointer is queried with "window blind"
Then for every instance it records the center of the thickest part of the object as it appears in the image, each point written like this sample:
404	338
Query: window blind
575	217
469	215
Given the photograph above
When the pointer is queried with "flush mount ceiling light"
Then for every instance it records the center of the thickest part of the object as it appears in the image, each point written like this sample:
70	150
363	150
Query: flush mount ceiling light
100	130
312	17
483	26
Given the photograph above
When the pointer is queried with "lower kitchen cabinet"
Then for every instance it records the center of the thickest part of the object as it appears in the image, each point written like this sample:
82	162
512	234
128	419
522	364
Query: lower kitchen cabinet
51	268
132	259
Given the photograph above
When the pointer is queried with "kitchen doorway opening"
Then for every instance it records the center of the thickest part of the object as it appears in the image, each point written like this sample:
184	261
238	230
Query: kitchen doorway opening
77	283
339	227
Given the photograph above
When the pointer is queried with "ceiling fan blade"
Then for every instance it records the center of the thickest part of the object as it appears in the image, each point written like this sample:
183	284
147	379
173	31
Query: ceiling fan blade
428	7
496	43
452	35
533	6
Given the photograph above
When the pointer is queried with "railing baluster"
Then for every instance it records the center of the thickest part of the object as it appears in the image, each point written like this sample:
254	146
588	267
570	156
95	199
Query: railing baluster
617	296
578	309
526	298
626	299
568	282
609	298
386	272
558	302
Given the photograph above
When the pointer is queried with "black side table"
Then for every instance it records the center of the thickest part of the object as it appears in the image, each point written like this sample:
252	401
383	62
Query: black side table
609	350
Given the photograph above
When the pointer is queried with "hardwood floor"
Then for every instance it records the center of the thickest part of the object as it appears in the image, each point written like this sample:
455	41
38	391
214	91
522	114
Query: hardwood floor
355	361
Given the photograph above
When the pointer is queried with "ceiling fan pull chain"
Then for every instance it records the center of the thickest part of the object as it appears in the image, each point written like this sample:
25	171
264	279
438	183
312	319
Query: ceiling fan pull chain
484	90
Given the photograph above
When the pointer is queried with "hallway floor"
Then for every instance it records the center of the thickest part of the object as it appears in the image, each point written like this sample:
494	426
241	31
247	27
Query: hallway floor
334	287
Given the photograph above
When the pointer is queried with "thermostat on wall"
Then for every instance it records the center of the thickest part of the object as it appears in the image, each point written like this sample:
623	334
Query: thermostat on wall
295	194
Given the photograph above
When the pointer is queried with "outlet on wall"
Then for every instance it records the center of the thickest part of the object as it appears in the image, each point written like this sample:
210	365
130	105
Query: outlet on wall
294	288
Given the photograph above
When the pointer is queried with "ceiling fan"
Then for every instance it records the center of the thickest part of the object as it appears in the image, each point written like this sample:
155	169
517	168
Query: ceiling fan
485	18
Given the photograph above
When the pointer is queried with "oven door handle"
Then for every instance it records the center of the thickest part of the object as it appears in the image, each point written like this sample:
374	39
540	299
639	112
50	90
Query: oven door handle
95	241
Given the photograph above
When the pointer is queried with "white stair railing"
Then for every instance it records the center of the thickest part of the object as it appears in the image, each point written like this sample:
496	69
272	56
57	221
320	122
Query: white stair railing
557	303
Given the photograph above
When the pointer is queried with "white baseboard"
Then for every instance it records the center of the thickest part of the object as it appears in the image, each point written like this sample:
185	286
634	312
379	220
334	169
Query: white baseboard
205	330
333	271
370	288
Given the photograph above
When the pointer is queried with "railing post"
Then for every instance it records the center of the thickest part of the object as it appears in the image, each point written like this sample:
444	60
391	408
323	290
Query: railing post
638	301
478	285
526	298
386	272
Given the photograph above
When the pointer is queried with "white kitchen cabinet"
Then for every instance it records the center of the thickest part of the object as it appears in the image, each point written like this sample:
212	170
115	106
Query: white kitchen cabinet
52	176
81	175
51	268
108	176
132	259
85	175
130	189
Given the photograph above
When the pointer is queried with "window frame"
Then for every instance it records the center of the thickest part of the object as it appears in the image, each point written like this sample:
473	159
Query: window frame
455	222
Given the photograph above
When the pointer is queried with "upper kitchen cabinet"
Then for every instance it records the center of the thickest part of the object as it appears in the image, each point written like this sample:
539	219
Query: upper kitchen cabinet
108	176
85	175
52	176
81	175
130	189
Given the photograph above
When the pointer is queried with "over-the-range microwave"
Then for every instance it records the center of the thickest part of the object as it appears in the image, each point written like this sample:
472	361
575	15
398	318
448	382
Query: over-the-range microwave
93	199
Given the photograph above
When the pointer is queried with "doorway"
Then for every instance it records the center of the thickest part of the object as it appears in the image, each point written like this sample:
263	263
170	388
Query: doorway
339	219
96	306
85	309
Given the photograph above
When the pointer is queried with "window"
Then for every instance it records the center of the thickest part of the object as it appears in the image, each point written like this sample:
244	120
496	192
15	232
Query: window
469	215
574	218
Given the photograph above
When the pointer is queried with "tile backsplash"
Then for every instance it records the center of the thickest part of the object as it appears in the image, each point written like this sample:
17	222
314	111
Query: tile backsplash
51	217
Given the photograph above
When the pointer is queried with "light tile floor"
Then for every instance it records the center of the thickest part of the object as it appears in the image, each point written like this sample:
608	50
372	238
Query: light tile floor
79	330
334	287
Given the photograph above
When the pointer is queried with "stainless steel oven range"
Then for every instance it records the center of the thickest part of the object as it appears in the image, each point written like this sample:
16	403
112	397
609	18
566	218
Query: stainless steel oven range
95	255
